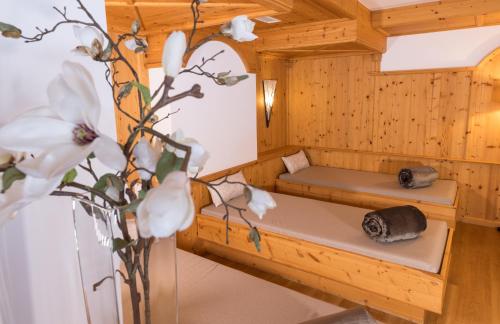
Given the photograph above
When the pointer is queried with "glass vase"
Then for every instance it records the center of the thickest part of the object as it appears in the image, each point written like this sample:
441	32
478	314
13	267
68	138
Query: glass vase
107	297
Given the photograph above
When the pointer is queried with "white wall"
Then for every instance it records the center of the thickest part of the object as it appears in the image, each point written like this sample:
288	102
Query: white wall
39	280
224	121
454	48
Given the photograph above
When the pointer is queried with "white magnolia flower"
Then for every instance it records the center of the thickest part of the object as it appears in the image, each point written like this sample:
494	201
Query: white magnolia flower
173	53
91	41
259	201
146	157
24	192
65	133
240	29
199	155
136	45
167	208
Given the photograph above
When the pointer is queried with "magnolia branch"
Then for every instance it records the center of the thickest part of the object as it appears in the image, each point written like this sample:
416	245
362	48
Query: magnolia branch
44	32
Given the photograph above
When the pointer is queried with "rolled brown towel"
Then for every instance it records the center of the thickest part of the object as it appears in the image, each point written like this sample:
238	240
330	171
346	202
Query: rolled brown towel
418	177
394	224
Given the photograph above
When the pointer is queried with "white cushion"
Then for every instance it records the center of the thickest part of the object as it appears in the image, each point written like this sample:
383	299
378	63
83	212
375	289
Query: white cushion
296	162
228	191
339	226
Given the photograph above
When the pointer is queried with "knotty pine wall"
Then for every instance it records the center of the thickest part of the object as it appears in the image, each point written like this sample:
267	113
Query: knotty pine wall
352	116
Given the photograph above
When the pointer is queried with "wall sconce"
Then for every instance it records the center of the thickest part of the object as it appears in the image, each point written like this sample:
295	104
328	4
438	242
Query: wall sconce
269	91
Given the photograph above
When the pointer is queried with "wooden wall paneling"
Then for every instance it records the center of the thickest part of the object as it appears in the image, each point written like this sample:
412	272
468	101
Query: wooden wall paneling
453	92
272	67
483	140
331	102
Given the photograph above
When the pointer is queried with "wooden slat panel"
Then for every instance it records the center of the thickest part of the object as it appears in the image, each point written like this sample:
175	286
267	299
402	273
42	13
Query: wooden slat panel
331	104
422	114
440	15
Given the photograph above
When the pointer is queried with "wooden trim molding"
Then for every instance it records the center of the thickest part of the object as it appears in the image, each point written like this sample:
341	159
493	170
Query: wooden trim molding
437	16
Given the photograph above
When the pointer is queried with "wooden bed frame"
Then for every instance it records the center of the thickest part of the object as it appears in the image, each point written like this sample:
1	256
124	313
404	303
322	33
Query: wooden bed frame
392	288
442	212
402	291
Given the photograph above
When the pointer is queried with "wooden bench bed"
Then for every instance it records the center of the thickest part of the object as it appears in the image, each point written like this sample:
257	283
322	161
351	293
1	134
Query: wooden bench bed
357	197
394	288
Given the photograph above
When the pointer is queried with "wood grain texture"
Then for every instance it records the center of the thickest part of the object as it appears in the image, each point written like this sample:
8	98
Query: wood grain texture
422	114
483	143
261	173
478	183
322	35
446	117
331	102
274	136
472	291
414	287
439	15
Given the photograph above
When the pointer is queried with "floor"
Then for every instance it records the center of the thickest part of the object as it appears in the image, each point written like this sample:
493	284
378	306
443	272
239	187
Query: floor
473	293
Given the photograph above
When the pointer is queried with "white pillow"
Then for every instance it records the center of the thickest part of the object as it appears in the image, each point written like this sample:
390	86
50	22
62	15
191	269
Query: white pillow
296	162
228	191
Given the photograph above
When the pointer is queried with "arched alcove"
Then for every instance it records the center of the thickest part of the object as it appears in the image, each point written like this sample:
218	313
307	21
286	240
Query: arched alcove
224	120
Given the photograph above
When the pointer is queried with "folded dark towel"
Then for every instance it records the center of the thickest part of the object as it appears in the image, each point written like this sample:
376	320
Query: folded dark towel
394	224
358	315
417	177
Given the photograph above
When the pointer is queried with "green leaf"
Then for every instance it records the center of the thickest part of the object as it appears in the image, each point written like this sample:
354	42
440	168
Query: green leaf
10	31
91	156
146	94
254	236
10	176
124	91
119	244
70	176
167	163
106	181
142	194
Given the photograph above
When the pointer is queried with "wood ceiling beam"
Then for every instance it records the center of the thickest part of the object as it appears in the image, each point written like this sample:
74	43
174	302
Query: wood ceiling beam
280	6
436	16
341	8
321	35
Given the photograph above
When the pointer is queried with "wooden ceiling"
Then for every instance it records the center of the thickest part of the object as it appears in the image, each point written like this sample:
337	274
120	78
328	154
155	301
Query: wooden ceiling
321	20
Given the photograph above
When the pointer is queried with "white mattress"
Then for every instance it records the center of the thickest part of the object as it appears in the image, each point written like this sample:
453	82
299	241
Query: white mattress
441	191
339	226
211	293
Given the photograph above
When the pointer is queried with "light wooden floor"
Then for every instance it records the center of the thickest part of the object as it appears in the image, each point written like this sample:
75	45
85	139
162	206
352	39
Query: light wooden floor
473	293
